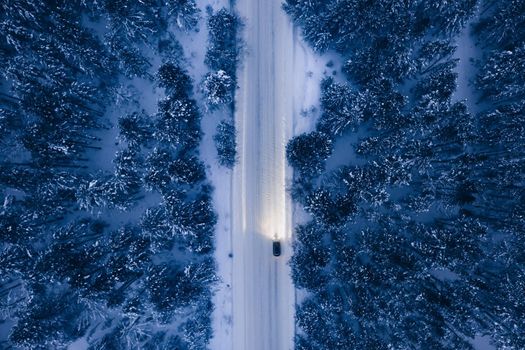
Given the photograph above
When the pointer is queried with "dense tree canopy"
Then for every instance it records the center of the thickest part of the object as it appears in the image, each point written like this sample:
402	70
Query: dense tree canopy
106	218
307	152
416	241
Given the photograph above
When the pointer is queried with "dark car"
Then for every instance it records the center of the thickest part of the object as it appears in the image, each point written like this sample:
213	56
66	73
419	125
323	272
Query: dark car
276	248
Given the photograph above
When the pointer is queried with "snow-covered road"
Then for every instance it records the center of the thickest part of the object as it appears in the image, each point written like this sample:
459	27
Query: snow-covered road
263	293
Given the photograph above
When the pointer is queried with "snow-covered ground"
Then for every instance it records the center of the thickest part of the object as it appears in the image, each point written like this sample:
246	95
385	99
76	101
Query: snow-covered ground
310	69
263	293
467	52
278	79
195	45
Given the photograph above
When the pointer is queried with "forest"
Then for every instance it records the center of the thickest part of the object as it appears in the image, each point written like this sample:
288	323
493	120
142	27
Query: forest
416	240
107	222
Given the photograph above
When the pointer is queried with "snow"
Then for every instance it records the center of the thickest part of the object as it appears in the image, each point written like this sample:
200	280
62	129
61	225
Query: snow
79	344
344	152
263	292
140	93
309	69
278	98
5	327
146	95
134	94
467	52
482	342
195	44
444	275
279	78
256	203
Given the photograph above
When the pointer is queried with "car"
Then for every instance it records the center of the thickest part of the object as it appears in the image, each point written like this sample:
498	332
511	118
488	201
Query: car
276	247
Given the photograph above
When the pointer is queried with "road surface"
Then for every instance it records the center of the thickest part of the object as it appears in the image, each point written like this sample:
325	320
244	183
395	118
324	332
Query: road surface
263	293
